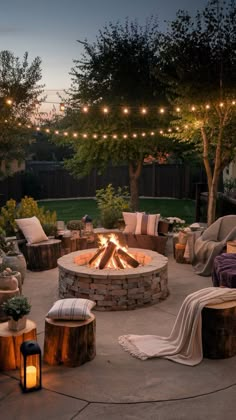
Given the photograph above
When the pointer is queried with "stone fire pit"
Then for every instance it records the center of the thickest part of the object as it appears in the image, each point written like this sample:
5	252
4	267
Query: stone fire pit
111	289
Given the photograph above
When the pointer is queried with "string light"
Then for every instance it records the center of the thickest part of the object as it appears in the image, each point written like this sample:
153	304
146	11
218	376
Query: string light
162	110
105	110
85	109
62	107
9	101
193	108
143	111
125	111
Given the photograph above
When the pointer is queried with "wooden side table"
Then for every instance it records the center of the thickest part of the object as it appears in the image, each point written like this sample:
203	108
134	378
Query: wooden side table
44	255
70	343
10	342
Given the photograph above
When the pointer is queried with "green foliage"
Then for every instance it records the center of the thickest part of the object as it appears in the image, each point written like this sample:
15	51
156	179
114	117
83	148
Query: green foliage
118	69
111	203
28	207
5	246
18	82
75	225
229	185
16	307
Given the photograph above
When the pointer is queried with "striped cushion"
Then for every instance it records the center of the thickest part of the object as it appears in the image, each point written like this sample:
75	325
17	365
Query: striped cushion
71	309
147	224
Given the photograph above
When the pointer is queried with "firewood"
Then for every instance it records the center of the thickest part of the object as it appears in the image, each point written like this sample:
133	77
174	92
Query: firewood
96	255
127	258
111	246
118	261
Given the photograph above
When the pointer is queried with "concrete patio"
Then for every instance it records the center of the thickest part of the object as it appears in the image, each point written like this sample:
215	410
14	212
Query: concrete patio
115	384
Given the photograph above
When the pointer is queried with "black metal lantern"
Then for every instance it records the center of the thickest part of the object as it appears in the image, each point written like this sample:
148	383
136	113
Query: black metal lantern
30	366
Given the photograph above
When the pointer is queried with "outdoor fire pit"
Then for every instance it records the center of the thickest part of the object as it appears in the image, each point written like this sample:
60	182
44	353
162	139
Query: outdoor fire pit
113	288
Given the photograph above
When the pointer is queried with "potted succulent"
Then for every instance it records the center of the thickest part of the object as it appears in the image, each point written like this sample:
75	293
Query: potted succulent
16	308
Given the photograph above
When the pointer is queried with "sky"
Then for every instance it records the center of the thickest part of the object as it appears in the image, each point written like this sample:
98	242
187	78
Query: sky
50	29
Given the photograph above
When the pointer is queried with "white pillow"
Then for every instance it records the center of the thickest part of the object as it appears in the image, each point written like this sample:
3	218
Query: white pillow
147	224
130	222
32	229
71	309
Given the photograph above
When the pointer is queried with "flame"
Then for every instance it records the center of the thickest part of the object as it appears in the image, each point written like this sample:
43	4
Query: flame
102	243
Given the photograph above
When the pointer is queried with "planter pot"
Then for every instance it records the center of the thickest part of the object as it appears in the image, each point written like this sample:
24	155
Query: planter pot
16	263
8	282
17	325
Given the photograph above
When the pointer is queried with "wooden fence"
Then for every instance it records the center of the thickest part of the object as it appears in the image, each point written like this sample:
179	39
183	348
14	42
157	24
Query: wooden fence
43	180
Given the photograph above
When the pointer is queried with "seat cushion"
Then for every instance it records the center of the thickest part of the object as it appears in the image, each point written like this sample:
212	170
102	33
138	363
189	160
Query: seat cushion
31	229
73	309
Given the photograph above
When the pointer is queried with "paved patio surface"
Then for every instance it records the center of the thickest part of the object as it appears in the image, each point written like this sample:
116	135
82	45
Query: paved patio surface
115	384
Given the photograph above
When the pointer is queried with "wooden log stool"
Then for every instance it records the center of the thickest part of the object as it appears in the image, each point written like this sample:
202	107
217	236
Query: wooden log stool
10	342
43	255
70	343
219	330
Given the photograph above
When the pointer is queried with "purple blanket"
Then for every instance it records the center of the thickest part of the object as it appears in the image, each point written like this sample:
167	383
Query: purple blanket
224	270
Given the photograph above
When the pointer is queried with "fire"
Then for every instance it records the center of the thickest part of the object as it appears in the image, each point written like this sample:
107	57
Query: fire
111	254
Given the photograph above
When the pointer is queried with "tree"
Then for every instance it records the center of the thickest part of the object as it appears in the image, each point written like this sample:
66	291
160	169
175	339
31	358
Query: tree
198	65
19	93
116	70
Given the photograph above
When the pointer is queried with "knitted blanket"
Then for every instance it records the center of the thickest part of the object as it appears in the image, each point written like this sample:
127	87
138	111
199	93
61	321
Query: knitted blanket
184	345
212	242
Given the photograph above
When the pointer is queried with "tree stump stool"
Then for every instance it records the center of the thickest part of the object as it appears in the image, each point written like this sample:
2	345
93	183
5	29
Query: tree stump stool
44	255
70	343
219	330
10	342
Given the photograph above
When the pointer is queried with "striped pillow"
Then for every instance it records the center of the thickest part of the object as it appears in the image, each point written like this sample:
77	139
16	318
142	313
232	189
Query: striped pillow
73	309
147	224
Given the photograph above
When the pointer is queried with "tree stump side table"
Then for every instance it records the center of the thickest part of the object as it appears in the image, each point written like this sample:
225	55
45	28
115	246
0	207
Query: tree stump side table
70	343
10	342
219	330
43	255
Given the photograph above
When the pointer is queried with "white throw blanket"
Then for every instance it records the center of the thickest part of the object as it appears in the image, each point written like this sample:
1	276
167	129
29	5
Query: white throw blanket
184	345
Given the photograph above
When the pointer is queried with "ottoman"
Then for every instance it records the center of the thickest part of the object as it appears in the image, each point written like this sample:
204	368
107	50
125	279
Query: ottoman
224	270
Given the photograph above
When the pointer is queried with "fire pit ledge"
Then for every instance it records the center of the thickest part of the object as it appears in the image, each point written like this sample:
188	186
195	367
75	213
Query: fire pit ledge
112	289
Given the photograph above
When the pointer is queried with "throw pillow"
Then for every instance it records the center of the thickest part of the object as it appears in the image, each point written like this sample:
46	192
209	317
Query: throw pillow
147	224
73	309
32	229
130	222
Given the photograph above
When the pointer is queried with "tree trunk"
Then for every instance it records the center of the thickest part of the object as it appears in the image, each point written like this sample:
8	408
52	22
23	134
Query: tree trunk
211	208
135	169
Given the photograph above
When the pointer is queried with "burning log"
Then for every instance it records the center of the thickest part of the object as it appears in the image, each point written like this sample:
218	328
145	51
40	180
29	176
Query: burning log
127	258
118	261
96	255
108	253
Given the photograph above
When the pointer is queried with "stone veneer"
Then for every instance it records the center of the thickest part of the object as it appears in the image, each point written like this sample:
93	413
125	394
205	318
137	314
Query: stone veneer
114	290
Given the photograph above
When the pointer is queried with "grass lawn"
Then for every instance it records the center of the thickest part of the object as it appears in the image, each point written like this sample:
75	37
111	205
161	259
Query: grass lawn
75	209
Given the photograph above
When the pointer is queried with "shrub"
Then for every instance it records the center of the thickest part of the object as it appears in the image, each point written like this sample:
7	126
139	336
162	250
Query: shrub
28	207
111	203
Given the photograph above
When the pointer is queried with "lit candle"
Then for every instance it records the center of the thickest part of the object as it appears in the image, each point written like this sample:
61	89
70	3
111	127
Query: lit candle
31	377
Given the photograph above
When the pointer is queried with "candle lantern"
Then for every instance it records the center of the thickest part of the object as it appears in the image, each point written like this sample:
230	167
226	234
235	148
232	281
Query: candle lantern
30	366
88	228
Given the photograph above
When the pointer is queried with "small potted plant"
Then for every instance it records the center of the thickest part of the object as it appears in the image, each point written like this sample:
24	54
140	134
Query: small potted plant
16	308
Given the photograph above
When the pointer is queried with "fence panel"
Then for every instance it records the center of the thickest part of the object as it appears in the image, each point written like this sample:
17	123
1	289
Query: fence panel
50	180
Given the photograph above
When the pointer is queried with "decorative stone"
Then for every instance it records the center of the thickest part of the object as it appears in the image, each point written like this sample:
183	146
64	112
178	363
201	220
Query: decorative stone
8	282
